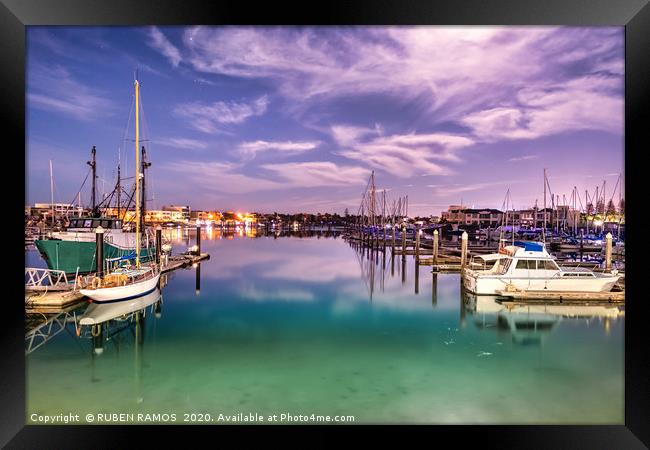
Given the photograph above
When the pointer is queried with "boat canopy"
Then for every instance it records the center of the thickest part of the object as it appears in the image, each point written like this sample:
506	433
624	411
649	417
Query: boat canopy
492	256
530	246
122	258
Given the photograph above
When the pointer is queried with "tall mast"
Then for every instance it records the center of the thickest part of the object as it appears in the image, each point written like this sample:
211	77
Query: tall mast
544	230
52	191
93	164
137	178
575	216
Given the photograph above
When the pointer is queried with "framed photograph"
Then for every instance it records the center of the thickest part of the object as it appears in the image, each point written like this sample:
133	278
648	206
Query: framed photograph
343	215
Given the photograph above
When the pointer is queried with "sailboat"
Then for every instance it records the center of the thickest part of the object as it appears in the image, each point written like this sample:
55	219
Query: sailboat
72	250
124	283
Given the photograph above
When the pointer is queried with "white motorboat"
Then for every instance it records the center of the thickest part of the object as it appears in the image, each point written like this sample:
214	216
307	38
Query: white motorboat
527	266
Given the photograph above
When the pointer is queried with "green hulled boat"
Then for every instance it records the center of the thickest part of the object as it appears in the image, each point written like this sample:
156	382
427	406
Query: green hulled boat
74	249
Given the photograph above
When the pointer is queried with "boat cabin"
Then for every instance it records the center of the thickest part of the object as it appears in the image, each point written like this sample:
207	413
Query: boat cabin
90	223
523	259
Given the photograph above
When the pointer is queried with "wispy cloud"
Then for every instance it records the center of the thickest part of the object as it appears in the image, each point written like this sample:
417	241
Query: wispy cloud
546	109
230	177
158	41
183	143
220	177
400	155
455	71
318	173
444	190
249	149
523	158
206	117
53	88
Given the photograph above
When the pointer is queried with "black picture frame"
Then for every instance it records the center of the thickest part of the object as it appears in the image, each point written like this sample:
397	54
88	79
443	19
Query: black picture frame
15	15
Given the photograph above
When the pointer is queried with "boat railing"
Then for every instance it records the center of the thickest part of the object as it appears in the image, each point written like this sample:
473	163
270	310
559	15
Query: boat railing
43	279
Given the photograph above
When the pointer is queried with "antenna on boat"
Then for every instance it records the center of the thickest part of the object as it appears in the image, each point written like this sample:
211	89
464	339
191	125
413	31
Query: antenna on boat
52	191
93	164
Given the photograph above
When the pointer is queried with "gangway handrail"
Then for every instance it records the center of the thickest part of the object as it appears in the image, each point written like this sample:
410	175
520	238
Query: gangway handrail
36	277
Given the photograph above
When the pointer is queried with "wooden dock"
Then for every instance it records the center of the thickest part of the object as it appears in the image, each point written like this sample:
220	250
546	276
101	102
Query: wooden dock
51	299
42	298
613	296
183	260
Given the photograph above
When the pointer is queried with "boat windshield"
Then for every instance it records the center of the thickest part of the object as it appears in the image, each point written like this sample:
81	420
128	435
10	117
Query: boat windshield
502	265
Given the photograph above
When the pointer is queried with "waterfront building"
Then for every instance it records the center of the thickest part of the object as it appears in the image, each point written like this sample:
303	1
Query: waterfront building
486	217
44	210
160	216
183	209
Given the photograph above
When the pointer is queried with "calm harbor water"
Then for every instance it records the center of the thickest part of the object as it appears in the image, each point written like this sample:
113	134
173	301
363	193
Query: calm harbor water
311	325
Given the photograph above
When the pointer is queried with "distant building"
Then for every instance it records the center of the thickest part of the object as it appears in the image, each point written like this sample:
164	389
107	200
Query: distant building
483	217
454	214
160	216
458	214
44	210
214	216
183	209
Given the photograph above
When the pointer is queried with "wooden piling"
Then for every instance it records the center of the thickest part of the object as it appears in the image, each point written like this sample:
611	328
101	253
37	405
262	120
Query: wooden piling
99	250
158	244
417	244
608	252
435	246
198	239
463	250
403	238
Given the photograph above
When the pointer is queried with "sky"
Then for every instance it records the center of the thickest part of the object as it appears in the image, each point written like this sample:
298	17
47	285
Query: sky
295	119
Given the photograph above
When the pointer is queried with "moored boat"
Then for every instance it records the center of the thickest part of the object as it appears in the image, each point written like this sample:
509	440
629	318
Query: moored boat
125	283
527	266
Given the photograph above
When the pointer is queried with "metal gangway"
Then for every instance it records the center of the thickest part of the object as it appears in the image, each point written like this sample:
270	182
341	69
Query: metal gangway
38	279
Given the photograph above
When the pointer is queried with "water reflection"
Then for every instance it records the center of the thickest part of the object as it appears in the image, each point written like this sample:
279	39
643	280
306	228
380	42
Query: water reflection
529	323
116	327
335	329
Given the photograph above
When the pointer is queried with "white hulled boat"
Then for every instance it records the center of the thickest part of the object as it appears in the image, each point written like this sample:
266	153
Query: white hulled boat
527	266
98	313
125	283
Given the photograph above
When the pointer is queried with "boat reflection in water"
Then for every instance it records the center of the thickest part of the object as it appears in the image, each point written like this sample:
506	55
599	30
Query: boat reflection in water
529	323
119	324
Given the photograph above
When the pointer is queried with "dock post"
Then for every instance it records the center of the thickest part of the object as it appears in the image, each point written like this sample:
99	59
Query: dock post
463	250
417	277
608	252
417	244
197	287
198	239
403	239
435	246
393	227
99	251
158	244
434	289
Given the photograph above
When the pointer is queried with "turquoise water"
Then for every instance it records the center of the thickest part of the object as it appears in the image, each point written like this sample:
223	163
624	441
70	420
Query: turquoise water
302	326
